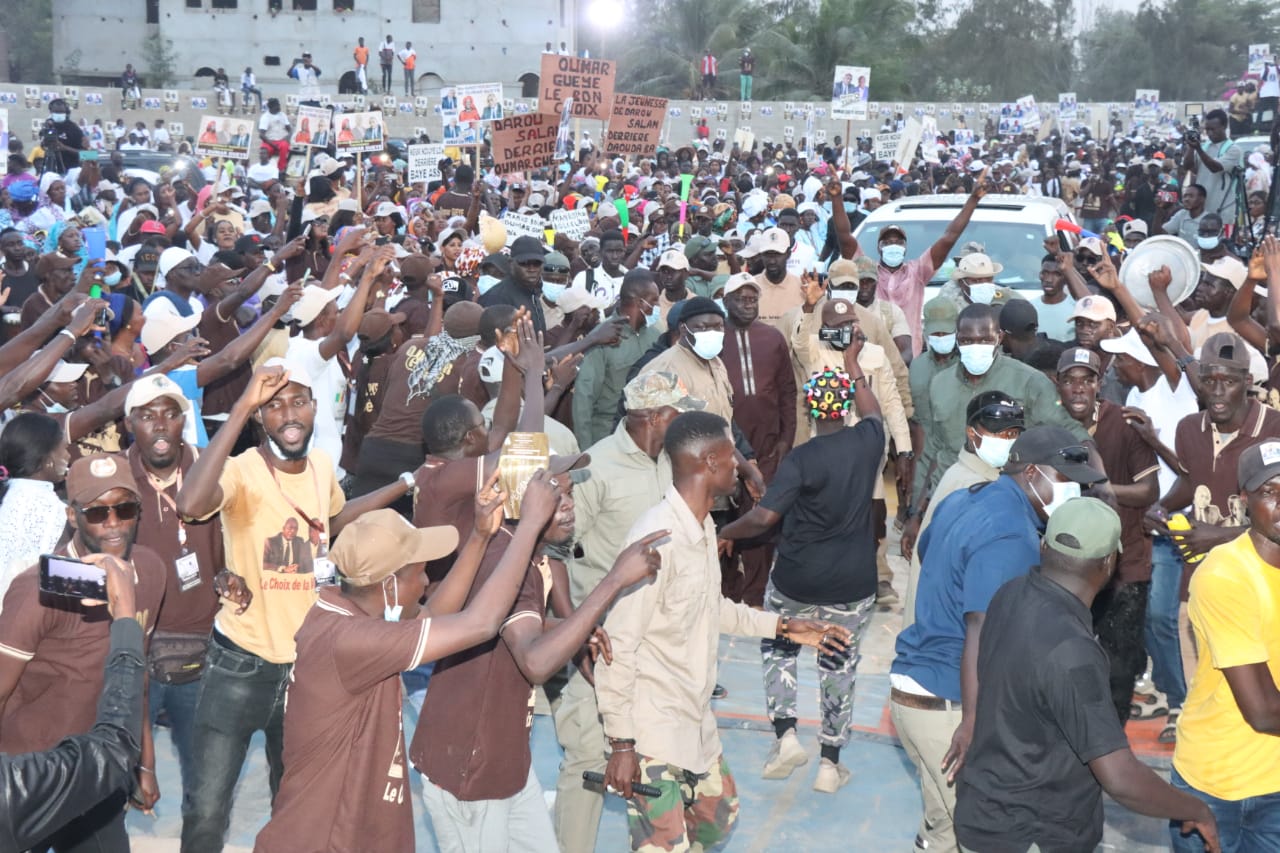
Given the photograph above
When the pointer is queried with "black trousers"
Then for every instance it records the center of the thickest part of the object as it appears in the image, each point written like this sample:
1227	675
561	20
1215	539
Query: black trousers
1119	619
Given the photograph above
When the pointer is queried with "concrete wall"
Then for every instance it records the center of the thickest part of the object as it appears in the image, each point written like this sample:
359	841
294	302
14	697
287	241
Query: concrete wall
478	41
767	120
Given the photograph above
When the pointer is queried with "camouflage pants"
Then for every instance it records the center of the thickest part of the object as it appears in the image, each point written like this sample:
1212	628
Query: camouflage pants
835	673
695	812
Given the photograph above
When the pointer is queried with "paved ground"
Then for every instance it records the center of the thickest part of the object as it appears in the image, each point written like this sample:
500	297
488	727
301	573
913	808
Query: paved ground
879	809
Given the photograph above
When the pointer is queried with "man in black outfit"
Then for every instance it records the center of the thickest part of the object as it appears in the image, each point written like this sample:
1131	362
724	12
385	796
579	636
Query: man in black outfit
523	287
1046	740
69	135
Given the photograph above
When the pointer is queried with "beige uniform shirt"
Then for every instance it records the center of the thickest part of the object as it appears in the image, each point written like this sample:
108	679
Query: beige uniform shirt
624	484
799	326
666	635
778	299
706	380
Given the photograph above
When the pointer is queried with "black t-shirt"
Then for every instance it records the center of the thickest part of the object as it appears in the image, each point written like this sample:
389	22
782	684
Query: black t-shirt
827	551
21	287
1044	712
70	133
508	292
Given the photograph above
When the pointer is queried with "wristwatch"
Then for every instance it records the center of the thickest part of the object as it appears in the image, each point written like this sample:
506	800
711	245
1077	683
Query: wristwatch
409	482
906	454
1185	361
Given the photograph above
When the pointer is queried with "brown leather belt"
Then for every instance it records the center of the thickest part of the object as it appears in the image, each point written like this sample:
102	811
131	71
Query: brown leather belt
920	703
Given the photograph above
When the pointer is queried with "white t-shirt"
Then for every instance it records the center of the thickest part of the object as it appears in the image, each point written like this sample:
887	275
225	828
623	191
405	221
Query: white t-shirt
1270	87
1055	320
274	127
405	53
604	286
161	136
259	173
329	388
1165	407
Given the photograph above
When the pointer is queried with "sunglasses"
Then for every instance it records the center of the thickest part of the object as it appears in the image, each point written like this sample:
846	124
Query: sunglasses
126	511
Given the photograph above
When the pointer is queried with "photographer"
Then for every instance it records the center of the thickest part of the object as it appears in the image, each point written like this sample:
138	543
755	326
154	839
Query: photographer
1219	167
40	792
61	138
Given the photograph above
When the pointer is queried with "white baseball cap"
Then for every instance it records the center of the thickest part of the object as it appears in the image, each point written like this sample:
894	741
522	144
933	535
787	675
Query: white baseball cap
161	328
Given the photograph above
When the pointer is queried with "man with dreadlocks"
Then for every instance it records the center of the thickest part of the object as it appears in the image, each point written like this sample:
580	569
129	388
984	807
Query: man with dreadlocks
826	563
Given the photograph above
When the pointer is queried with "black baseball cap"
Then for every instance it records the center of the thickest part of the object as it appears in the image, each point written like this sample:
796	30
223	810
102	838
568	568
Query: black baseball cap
1018	315
249	243
1056	448
527	249
995	411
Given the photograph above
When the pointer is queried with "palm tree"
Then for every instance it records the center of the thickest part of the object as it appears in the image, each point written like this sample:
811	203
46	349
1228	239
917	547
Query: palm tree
664	50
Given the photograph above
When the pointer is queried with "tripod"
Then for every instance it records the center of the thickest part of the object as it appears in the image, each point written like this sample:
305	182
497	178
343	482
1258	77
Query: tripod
53	160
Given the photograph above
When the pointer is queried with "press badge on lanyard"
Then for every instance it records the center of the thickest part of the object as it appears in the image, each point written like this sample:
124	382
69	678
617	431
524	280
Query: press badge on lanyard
187	564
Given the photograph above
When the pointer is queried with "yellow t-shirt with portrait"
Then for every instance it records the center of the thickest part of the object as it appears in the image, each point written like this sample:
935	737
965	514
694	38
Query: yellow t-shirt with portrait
1234	612
270	545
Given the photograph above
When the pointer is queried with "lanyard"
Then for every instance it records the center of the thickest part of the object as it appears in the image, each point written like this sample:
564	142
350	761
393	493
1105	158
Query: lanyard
311	522
162	495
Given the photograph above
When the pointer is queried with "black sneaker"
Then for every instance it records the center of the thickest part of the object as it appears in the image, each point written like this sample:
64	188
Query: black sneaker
719	692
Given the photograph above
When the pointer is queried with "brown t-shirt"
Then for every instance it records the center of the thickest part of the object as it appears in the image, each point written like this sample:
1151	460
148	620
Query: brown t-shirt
222	393
472	738
64	649
368	386
416	311
446	495
346	785
1127	459
32	308
190	610
406	395
1212	467
453	204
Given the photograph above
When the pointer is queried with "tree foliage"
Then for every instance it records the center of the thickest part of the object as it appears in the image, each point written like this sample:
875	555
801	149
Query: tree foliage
989	50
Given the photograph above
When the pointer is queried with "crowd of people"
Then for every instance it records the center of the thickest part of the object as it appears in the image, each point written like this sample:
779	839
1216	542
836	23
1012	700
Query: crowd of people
346	427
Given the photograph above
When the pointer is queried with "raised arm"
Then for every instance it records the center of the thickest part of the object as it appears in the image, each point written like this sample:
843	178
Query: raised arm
20	380
940	250
349	319
241	349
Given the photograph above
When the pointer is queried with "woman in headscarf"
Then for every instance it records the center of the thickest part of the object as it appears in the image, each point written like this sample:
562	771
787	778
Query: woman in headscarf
1258	174
51	208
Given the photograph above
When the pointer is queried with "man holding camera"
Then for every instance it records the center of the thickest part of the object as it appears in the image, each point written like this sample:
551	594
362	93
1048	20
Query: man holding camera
1216	164
52	653
62	139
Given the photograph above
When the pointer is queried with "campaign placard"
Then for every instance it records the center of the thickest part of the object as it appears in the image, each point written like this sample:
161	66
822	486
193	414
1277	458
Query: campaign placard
224	136
635	124
523	143
588	81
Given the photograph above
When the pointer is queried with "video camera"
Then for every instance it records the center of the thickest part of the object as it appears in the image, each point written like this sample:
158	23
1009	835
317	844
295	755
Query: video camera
1192	136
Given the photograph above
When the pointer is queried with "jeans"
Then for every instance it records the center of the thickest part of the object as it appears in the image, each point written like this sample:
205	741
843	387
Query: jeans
1251	825
408	81
1163	643
520	822
386	78
1097	226
744	84
178	701
240	694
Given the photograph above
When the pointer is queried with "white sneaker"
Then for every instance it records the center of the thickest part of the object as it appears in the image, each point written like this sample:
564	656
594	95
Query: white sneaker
831	777
786	756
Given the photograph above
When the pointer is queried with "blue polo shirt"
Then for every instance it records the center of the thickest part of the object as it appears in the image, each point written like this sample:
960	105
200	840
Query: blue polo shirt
976	542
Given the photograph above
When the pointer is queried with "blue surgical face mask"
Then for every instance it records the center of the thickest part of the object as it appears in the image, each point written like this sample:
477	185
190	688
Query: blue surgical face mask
551	292
111	279
893	255
485	282
653	317
942	344
982	292
58	116
977	358
1208	243
55	409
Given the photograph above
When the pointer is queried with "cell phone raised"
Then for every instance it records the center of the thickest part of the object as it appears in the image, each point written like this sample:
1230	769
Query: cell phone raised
72	578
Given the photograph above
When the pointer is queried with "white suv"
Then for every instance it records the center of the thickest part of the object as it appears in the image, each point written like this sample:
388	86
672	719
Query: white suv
1011	228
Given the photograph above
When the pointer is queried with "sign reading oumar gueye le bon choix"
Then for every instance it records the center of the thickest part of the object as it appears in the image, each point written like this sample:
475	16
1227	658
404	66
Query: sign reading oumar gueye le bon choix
588	81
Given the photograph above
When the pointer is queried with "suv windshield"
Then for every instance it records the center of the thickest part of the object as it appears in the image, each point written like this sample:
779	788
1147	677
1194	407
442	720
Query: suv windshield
1017	246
